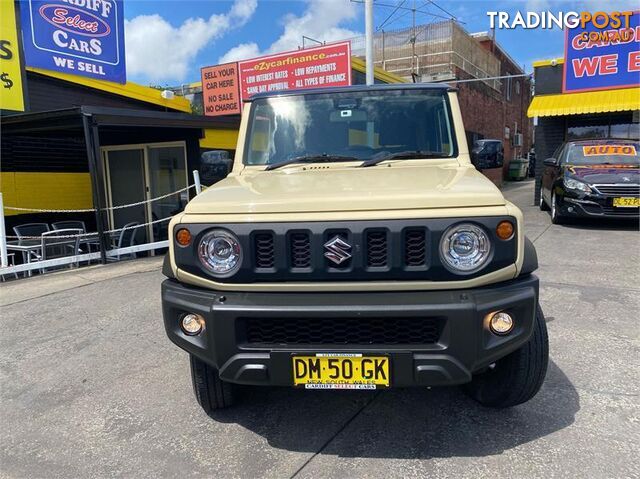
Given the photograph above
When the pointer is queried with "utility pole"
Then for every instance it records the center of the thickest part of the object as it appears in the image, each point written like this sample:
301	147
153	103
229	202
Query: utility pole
368	32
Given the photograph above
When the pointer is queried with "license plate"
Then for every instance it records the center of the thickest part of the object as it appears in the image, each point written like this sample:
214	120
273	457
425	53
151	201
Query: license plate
626	202
340	371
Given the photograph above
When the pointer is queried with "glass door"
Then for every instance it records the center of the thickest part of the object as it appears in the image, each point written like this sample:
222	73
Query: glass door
166	173
125	176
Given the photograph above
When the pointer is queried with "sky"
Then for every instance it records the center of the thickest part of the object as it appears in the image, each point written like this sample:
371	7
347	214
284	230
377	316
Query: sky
168	41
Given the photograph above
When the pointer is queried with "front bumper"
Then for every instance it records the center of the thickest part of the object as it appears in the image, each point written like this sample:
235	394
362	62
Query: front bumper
594	206
464	344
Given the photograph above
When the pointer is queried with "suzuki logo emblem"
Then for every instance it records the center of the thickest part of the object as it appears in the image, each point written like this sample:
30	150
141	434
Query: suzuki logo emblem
337	250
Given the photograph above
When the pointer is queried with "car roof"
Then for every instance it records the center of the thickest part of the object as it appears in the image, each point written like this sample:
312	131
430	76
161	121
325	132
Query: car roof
602	141
355	88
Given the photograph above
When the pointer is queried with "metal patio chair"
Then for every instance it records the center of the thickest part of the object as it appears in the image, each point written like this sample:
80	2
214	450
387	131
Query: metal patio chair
126	238
24	231
60	244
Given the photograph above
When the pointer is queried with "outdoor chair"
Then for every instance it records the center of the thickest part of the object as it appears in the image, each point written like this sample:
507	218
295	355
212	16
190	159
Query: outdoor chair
73	224
89	243
30	230
57	244
10	258
126	238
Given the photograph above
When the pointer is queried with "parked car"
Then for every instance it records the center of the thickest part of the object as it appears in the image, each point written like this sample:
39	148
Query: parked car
215	165
487	154
355	247
592	178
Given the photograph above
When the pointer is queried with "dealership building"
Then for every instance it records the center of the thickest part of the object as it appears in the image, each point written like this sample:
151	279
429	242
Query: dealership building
592	92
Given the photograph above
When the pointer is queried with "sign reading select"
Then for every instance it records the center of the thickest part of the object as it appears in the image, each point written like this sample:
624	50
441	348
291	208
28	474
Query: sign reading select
76	37
602	58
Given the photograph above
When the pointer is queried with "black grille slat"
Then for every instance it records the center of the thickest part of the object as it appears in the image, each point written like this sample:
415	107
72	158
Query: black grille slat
356	331
415	247
377	249
619	190
300	250
264	251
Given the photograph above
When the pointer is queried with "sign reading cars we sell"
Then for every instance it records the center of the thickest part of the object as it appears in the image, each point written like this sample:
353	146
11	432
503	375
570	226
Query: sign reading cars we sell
79	37
225	86
599	57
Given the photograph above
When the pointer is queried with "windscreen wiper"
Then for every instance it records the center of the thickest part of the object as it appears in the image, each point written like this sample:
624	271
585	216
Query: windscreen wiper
311	159
409	154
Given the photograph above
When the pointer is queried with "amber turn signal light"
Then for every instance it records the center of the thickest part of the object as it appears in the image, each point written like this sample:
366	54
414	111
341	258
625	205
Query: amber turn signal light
183	237
505	230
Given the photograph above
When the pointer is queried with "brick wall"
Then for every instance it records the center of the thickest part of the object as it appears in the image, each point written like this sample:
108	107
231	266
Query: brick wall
487	112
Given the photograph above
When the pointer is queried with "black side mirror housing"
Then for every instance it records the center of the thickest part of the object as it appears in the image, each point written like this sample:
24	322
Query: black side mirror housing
550	162
484	160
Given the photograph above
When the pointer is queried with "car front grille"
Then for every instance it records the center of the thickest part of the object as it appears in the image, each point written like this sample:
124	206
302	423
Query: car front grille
346	251
264	252
300	250
377	249
621	211
618	190
340	331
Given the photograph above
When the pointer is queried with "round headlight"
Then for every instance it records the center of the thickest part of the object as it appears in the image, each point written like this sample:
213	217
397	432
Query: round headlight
219	251
465	248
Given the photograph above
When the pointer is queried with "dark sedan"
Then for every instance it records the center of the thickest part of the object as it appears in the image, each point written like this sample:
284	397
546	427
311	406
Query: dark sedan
592	178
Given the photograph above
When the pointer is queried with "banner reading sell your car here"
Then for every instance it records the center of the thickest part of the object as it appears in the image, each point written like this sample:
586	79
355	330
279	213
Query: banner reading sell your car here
324	66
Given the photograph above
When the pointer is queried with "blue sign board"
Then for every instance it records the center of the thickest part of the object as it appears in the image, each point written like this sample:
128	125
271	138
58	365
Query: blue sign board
79	37
602	58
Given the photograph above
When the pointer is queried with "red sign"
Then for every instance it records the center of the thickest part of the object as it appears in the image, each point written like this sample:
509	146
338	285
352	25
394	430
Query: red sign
225	86
220	93
325	66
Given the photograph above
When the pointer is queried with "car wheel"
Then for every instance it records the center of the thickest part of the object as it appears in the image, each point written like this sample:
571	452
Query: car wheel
211	392
516	378
543	205
556	216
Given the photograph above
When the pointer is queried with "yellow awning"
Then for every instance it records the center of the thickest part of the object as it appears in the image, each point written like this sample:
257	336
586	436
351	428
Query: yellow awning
624	99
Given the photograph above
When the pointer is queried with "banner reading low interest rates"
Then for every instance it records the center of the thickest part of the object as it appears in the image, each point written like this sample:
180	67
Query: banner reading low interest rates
225	86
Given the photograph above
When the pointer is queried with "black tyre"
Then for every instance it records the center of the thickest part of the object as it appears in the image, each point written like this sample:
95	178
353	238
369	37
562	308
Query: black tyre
211	392
556	216
543	205
516	378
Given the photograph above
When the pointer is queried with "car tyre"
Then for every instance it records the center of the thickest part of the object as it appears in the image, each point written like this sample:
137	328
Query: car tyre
556	216
211	392
542	204
517	377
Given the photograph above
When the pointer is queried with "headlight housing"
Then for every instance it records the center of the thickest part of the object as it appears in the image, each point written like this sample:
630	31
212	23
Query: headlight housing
465	248
577	185
220	252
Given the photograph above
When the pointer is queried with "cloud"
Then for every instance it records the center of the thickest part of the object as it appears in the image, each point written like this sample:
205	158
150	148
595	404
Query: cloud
321	21
241	52
160	52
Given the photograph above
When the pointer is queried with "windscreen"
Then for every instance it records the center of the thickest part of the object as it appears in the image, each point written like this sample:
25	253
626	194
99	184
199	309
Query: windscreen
351	125
619	153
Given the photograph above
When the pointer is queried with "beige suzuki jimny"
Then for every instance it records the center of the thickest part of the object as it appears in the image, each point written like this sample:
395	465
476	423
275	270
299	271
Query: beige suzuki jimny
354	246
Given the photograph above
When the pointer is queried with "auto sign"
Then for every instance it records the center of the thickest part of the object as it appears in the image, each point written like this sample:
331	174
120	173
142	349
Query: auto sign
80	37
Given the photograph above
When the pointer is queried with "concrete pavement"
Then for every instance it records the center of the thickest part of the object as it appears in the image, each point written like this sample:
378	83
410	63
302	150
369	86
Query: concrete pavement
90	386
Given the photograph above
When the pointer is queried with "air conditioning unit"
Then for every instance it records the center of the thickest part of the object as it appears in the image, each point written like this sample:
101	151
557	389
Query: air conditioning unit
517	139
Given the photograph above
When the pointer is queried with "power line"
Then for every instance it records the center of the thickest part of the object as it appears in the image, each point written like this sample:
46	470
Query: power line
391	15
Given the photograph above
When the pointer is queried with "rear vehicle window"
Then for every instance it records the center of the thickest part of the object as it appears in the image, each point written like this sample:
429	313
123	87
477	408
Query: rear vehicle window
625	153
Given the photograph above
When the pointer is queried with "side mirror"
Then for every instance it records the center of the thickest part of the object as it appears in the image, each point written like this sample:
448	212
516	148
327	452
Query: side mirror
486	161
550	162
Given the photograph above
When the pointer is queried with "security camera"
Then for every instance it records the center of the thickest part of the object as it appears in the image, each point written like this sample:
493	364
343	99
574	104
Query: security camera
554	62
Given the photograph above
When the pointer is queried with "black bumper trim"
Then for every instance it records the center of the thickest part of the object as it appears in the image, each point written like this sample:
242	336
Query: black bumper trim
465	345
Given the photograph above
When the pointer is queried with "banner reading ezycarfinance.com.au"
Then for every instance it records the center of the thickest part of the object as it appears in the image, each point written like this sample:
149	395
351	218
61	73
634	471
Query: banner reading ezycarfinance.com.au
11	96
